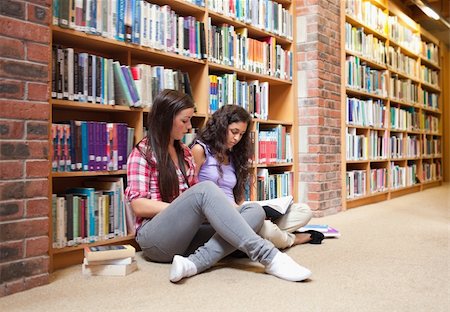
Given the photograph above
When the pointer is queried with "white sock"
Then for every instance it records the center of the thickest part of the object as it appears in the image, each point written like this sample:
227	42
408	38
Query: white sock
286	268
181	267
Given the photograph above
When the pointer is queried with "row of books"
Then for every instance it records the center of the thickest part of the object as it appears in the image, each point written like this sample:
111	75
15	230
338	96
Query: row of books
355	182
362	77
403	89
365	112
252	95
399	177
403	35
369	14
429	99
403	176
273	185
90	146
263	14
402	63
431	171
91	213
430	51
358	42
432	146
429	76
85	77
375	50
109	260
232	46
406	119
274	145
135	21
377	146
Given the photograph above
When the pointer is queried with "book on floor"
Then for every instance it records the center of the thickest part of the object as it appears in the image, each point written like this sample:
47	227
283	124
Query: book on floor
108	252
327	230
126	260
109	269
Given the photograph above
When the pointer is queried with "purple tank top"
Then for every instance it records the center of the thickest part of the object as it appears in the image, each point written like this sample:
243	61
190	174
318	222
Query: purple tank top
210	172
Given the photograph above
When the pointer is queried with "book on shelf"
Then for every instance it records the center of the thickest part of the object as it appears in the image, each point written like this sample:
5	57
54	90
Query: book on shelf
325	229
108	252
275	207
109	269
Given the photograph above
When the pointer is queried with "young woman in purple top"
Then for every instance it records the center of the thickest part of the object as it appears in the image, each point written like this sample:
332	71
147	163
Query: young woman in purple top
178	220
221	152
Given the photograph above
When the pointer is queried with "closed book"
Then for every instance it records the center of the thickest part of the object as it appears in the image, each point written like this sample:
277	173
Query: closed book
325	229
109	269
95	253
127	260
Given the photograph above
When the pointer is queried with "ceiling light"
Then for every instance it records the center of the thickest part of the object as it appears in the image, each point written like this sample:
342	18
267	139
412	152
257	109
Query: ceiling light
429	12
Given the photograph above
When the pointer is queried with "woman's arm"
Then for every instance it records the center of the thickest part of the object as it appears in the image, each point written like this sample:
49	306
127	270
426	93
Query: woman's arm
199	157
147	208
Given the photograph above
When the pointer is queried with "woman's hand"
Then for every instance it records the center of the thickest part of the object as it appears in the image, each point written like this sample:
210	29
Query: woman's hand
147	208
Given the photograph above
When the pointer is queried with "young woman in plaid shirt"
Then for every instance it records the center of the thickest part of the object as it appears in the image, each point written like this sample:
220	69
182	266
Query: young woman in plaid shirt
193	225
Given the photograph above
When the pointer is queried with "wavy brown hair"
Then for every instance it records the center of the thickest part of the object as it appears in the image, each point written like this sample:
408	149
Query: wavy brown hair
214	135
166	105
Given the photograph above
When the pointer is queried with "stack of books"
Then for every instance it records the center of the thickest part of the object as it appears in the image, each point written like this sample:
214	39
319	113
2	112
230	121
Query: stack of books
112	260
325	229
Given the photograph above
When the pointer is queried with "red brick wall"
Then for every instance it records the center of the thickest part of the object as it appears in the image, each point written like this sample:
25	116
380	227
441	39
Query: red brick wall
24	125
319	104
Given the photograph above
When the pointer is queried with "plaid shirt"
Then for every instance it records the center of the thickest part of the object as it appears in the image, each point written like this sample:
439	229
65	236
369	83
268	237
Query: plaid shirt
142	177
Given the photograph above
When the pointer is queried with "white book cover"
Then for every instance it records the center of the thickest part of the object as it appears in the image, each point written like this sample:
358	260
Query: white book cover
127	260
109	269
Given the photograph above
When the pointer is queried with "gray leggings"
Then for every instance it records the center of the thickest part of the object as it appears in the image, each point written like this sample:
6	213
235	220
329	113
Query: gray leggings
180	230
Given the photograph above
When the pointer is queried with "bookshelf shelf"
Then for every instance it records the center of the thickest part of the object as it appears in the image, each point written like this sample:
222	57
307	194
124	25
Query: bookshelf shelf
246	75
110	241
87	173
411	110
280	110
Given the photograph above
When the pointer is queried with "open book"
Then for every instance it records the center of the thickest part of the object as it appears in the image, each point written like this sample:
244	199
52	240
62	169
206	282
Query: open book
275	207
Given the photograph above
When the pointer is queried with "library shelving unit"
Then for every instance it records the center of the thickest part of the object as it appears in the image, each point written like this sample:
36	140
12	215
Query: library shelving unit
273	81
392	124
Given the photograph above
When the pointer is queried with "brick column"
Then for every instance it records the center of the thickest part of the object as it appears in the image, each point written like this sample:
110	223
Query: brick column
319	104
24	127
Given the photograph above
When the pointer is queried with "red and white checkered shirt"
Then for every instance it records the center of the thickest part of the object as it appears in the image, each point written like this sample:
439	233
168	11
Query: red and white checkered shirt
142	177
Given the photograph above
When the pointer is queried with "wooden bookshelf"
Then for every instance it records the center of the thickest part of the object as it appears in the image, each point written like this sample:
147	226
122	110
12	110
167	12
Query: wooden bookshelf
406	59
281	111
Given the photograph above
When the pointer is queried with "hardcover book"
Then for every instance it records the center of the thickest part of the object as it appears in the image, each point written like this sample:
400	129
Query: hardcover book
109	269
108	252
121	261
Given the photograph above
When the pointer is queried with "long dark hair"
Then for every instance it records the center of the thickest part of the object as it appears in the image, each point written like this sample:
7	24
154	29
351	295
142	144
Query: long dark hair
214	135
166	105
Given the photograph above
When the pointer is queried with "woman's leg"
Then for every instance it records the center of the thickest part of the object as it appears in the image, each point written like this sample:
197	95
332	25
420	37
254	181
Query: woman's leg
297	216
172	230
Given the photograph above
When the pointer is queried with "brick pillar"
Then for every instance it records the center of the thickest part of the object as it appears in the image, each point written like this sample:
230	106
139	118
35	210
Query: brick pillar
319	104
24	126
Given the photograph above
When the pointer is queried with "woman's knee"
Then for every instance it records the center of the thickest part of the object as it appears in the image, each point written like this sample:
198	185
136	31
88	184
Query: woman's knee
254	214
208	187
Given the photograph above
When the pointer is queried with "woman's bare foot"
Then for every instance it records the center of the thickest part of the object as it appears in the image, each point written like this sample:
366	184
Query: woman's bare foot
301	238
